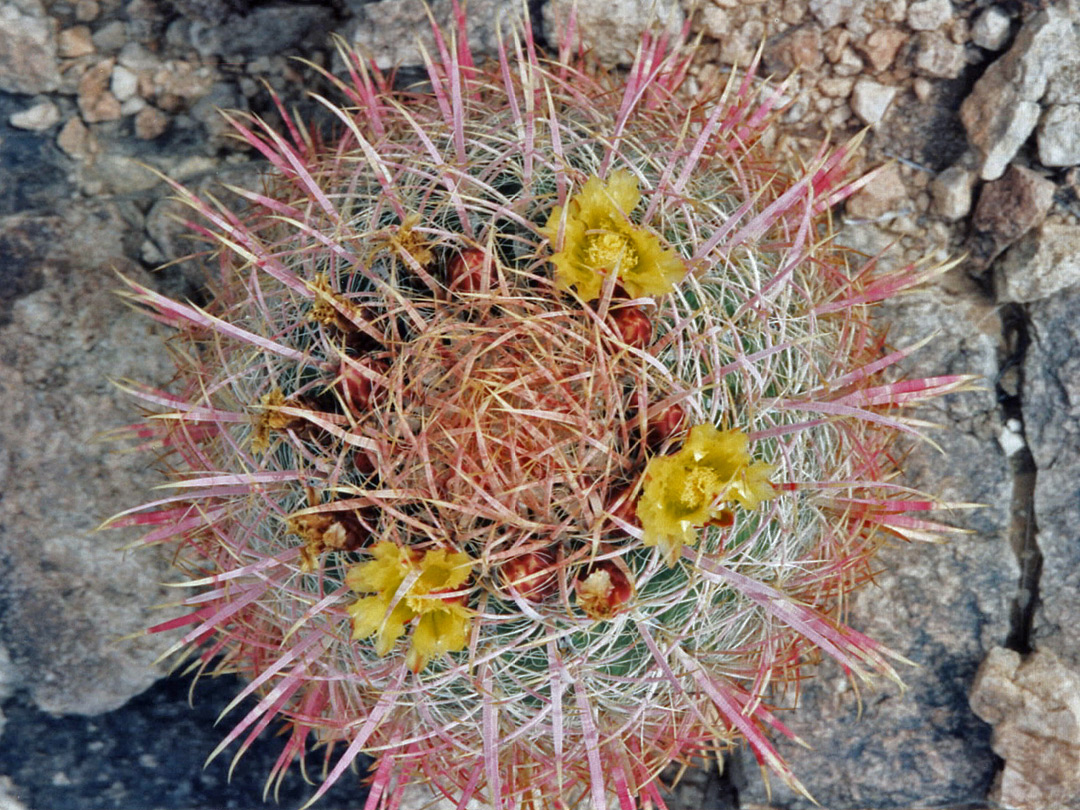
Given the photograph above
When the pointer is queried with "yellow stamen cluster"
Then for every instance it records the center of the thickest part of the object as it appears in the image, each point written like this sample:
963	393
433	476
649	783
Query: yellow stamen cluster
684	491
599	239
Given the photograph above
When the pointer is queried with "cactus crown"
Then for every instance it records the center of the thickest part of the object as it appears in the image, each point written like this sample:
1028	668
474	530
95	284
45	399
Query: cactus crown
536	429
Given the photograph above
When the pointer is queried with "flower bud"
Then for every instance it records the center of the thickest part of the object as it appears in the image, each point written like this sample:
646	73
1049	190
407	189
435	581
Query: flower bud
531	575
665	425
359	390
467	270
632	326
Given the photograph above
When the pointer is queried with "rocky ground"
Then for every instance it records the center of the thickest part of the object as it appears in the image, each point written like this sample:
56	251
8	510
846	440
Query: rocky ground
973	105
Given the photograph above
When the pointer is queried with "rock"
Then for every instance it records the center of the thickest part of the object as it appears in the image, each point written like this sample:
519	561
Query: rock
1052	425
87	10
715	21
1064	85
1007	209
612	29
929	15
111	37
177	84
848	64
881	46
870	100
265	30
1043	263
150	122
123	84
831	13
76	140
1059	136
951	191
938	56
797	49
38	118
1002	110
885	195
1034	707
991	29
69	593
27	49
96	103
942	606
75	42
388	32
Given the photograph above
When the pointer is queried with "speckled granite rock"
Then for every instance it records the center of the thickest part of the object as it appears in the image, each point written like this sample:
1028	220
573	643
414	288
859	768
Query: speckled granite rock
68	594
1052	422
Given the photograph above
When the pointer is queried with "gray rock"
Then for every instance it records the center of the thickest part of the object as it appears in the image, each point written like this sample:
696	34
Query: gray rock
613	29
390	33
28	60
942	606
991	29
1043	263
831	13
1003	109
1034	707
1059	136
1052	423
938	56
928	15
37	118
69	594
266	30
951	191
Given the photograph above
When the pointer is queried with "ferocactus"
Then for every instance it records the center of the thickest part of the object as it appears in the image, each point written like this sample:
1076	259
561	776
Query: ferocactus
536	429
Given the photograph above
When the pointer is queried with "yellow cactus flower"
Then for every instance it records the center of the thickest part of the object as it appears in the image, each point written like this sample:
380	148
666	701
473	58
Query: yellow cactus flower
441	622
684	491
598	239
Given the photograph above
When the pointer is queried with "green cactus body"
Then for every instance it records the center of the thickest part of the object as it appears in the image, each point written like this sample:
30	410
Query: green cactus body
535	431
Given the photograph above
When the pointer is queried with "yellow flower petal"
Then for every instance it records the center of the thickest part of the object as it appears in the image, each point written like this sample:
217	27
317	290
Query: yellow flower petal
599	239
442	623
682	492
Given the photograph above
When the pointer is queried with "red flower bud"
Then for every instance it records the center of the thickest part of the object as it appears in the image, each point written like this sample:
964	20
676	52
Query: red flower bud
632	326
358	389
466	271
531	574
666	424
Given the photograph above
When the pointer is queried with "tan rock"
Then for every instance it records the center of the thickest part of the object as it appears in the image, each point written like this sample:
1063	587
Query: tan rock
881	46
800	49
76	140
150	122
1034	707
96	102
75	42
884	196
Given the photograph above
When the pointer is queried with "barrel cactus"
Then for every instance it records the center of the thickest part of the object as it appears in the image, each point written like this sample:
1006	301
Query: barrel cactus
536	430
